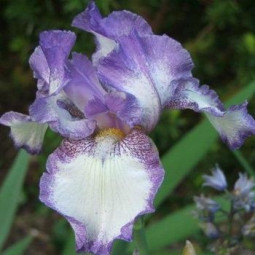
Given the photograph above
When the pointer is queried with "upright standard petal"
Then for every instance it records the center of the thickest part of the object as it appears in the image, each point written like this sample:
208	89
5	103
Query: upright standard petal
108	30
234	124
56	46
146	68
118	23
39	65
25	133
101	184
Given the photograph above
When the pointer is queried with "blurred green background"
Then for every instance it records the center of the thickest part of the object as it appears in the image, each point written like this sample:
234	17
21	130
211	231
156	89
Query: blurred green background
219	34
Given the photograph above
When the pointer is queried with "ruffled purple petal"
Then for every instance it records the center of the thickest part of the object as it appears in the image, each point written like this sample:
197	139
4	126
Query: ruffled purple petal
56	46
234	126
108	30
118	23
189	95
146	68
101	185
62	116
39	65
84	84
25	133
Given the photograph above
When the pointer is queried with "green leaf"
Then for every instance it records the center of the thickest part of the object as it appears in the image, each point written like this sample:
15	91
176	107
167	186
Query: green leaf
69	248
193	146
244	163
20	247
10	194
175	227
119	247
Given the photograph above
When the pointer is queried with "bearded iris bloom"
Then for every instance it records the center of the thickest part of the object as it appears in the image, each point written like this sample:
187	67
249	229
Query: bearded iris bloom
107	171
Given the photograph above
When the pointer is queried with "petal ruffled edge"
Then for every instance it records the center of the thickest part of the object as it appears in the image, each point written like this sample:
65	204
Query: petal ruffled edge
234	124
108	30
137	146
49	59
25	133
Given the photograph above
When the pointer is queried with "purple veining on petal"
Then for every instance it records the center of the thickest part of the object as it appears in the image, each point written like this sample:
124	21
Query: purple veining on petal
189	95
138	146
25	133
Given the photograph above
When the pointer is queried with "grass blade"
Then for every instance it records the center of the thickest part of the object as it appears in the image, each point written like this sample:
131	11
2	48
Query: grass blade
10	194
177	226
69	248
244	163
20	247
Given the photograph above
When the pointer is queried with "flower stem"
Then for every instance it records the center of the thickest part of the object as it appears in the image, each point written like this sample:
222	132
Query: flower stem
140	238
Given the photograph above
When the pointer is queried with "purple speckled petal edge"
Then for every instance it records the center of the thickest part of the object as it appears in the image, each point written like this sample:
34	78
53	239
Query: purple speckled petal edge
139	146
235	125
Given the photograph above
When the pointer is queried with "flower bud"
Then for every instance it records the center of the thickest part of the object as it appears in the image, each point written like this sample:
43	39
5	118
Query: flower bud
188	249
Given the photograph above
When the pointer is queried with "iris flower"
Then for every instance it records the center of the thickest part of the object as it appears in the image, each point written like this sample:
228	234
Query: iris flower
107	170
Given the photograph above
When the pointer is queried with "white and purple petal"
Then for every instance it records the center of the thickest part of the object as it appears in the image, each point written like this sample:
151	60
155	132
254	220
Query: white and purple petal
234	126
146	67
108	30
25	133
62	116
189	95
101	185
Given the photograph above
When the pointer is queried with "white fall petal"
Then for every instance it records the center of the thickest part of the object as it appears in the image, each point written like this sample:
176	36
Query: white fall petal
103	183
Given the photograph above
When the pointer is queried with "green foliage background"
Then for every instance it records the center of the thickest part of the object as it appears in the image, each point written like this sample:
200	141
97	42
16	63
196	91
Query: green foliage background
220	35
